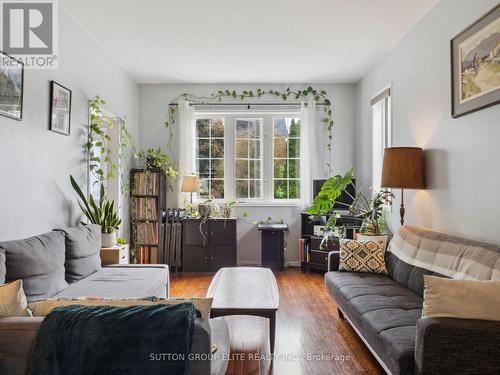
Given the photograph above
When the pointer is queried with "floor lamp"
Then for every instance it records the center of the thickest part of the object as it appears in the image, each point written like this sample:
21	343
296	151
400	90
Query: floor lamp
403	168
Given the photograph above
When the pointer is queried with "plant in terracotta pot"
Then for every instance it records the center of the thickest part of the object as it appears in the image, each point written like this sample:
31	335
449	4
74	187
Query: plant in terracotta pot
101	212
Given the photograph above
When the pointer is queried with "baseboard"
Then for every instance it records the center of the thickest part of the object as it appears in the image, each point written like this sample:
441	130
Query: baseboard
253	263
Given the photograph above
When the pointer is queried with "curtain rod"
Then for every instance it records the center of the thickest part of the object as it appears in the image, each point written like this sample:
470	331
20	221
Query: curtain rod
244	104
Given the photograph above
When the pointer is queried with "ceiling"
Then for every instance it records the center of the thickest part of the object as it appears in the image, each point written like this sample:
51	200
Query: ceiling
253	41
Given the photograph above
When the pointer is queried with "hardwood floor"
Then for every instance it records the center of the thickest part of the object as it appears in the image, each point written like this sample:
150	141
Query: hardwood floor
310	337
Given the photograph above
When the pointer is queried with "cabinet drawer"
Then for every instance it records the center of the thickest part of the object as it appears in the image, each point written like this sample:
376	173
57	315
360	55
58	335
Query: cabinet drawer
195	258
330	245
318	257
193	235
222	232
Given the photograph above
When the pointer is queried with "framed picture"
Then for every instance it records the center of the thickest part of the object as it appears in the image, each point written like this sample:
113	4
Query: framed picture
11	86
475	65
60	108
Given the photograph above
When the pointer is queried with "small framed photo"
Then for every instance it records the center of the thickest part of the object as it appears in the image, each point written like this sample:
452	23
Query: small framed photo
60	108
475	65
11	86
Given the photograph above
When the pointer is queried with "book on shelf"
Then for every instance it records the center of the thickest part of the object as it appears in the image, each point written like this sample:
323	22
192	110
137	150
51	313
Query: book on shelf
146	233
146	254
144	208
145	183
304	245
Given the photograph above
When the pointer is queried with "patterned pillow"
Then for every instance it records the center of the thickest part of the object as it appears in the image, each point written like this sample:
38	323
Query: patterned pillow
362	256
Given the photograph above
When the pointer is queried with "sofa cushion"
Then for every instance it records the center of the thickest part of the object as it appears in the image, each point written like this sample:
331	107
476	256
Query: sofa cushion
384	312
121	282
83	245
2	266
13	300
362	256
407	275
39	262
461	299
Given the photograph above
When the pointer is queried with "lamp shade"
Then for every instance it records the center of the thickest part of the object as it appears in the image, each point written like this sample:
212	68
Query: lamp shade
190	184
403	168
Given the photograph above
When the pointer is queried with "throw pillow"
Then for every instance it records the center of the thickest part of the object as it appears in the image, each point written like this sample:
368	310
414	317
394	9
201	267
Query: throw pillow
39	262
362	256
461	299
12	300
83	245
2	266
43	308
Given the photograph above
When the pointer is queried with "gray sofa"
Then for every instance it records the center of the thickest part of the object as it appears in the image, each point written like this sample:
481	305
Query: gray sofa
386	311
65	263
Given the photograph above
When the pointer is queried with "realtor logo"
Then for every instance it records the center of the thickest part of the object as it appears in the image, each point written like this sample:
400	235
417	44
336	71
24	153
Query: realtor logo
29	31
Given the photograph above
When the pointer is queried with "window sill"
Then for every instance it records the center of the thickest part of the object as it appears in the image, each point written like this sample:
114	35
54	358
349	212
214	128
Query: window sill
259	203
270	204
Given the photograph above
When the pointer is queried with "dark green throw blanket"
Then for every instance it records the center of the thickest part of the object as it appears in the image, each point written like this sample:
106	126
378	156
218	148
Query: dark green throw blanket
78	340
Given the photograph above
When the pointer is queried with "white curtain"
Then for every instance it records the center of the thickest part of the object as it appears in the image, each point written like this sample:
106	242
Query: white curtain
187	146
311	165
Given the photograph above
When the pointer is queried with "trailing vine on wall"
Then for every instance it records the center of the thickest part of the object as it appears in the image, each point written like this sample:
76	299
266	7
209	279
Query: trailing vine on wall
98	144
308	93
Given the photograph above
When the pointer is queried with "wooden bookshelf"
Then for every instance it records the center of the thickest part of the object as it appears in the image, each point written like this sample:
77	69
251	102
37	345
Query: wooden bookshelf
148	204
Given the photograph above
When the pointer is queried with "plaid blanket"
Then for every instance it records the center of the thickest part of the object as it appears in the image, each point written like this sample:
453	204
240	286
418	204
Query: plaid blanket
451	256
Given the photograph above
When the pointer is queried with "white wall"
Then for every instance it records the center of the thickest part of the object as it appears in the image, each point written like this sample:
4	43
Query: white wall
35	163
463	176
153	107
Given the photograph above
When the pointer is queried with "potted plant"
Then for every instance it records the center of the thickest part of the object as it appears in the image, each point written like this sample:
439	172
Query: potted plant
157	159
324	202
371	211
102	213
226	209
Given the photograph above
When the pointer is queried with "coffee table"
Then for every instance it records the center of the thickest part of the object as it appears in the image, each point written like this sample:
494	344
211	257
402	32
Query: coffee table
245	291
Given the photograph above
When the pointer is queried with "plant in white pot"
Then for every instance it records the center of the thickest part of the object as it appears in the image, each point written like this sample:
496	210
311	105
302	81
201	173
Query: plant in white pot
101	212
371	211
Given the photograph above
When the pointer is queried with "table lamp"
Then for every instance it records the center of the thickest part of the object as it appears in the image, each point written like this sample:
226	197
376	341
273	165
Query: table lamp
190	184
403	168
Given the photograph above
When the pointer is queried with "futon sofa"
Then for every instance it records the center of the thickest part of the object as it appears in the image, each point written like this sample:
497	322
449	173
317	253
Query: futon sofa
386	311
65	263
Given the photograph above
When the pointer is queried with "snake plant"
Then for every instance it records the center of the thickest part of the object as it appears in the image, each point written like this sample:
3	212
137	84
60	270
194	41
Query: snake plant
101	212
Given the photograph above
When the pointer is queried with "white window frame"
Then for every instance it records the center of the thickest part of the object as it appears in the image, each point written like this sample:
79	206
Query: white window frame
209	148
261	153
384	99
267	153
301	147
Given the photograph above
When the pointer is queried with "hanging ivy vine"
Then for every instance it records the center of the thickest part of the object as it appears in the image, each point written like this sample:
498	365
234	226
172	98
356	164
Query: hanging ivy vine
98	144
308	93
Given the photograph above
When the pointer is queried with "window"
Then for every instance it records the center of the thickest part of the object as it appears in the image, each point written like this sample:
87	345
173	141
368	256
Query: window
249	156
381	133
210	157
286	158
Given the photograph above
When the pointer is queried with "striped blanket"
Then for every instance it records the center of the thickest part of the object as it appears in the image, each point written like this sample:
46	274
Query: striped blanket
451	256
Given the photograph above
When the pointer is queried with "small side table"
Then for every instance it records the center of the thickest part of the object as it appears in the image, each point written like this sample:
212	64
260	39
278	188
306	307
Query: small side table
118	254
273	245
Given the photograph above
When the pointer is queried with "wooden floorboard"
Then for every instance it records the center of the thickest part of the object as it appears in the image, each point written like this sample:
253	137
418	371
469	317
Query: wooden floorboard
310	337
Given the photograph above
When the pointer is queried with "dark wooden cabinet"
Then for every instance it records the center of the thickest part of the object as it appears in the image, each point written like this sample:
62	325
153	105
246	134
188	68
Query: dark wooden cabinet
273	246
208	246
